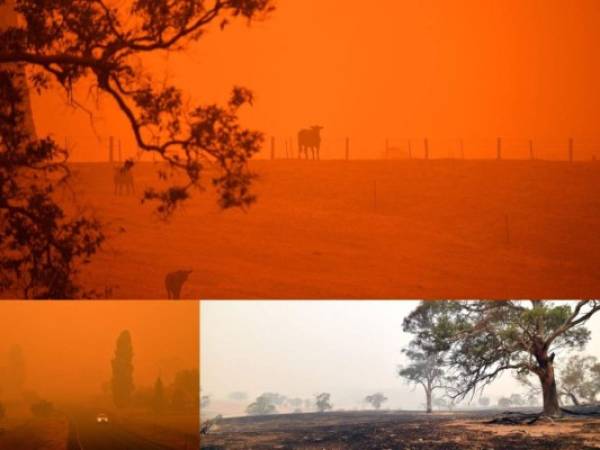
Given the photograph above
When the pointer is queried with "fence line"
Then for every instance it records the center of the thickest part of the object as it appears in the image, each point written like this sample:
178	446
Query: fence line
116	149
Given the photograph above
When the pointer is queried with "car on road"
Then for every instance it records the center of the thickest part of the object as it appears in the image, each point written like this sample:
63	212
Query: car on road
101	418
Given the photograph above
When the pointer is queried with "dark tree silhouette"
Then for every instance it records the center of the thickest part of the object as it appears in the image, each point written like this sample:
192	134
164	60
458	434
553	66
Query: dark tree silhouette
159	400
41	245
42	408
93	43
186	390
263	405
322	402
122	370
69	42
15	373
376	400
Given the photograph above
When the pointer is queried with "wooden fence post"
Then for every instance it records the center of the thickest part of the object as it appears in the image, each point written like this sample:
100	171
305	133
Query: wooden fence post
347	148
499	149
272	147
531	156
570	149
375	195
111	149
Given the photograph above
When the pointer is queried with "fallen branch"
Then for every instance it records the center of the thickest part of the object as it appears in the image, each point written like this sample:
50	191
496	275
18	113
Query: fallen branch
516	418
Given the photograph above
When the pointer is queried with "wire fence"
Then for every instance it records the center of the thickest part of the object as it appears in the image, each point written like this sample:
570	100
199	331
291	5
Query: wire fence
104	148
399	148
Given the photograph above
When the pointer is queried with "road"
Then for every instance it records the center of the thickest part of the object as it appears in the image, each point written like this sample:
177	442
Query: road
86	434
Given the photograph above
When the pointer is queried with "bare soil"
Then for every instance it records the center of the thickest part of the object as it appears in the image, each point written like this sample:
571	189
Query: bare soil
398	431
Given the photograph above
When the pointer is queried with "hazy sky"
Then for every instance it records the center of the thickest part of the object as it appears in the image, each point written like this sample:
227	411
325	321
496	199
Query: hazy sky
299	348
68	346
437	68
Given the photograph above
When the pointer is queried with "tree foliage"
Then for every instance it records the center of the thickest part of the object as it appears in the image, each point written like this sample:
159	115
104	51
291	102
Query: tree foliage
186	390
323	402
263	405
42	408
485	338
426	359
40	242
376	400
104	44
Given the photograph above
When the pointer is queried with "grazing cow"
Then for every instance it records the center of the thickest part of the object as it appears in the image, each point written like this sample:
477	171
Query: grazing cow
174	282
309	138
124	179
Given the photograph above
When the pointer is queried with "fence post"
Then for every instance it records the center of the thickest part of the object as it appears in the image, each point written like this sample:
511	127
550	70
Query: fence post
272	147
531	149
111	149
426	148
347	148
499	149
570	149
375	195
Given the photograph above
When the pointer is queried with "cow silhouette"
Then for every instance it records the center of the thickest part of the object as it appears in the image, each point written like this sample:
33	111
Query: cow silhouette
309	139
123	179
174	282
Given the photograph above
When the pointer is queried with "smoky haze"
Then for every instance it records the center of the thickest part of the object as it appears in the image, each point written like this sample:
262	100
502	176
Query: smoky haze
299	348
67	347
436	68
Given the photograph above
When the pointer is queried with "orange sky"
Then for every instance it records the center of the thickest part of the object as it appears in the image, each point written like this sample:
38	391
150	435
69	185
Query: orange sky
68	346
437	68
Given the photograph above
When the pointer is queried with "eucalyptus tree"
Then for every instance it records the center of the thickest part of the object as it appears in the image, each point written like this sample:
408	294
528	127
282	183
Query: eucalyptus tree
483	339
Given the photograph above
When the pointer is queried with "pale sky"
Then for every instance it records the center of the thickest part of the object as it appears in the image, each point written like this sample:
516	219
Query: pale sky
299	348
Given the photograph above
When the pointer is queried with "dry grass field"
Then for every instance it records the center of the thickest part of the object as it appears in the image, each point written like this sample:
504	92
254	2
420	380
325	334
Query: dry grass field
360	229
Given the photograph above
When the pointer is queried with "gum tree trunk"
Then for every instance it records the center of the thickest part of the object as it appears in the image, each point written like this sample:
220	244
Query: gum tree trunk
428	395
548	381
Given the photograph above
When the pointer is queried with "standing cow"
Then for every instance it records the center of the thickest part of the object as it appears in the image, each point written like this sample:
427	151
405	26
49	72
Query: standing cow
309	138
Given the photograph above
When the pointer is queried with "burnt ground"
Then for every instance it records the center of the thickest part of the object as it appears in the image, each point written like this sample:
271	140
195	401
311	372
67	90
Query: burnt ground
401	430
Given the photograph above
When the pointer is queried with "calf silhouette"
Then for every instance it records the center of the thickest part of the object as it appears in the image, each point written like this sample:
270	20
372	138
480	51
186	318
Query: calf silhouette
174	282
124	179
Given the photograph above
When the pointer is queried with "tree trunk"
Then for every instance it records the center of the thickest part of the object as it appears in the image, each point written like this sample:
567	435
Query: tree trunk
428	394
550	395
